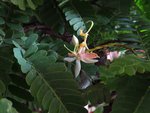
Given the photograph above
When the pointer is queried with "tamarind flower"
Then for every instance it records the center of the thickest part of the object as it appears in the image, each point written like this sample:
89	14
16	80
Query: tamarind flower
113	55
80	53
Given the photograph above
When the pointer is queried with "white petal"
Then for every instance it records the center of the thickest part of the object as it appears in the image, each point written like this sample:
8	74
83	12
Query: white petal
121	53
77	68
75	40
69	59
86	107
89	60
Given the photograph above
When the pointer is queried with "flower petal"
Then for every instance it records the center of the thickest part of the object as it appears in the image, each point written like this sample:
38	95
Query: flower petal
109	57
113	55
81	49
88	56
77	68
89	60
69	59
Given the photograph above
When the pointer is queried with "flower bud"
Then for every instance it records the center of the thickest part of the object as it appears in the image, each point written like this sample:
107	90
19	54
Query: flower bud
75	40
83	34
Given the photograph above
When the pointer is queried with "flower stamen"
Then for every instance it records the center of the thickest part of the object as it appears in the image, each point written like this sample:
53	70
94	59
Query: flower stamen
68	49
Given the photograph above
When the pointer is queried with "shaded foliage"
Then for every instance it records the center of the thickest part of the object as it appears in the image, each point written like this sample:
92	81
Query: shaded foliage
34	76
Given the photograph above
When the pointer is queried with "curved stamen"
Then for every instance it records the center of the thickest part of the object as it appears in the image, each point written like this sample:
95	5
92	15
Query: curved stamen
91	26
68	49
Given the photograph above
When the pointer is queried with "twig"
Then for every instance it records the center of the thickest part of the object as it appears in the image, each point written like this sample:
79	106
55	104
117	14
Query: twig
49	31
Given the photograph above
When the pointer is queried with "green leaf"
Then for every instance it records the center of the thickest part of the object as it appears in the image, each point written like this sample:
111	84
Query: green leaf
129	70
114	83
32	49
38	2
98	93
47	94
133	97
7	59
99	110
31	4
73	17
143	106
21	18
15	26
31	40
20	107
52	85
20	3
2	32
20	92
53	56
116	69
18	80
90	69
25	66
2	87
74	21
127	65
18	46
2	21
144	6
141	68
6	106
54	21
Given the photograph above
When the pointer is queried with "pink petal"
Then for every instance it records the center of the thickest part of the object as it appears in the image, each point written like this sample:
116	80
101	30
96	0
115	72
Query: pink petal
109	57
113	55
69	59
89	60
142	51
81	50
77	68
88	56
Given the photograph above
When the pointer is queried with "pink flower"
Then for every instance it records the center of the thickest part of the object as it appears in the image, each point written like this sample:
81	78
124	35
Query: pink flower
113	55
80	53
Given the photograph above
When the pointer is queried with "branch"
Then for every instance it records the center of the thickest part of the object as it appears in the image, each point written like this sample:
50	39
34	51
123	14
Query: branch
48	31
112	45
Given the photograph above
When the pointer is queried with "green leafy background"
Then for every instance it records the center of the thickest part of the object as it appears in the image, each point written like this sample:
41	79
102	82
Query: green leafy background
34	77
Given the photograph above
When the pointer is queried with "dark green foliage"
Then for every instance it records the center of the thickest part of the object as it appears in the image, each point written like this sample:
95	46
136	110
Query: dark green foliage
18	81
97	94
22	4
2	87
127	65
20	107
52	85
33	75
143	6
6	106
72	16
6	59
44	13
142	26
133	96
20	92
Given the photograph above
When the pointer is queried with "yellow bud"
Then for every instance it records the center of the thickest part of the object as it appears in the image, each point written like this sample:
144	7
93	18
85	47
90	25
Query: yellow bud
82	33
